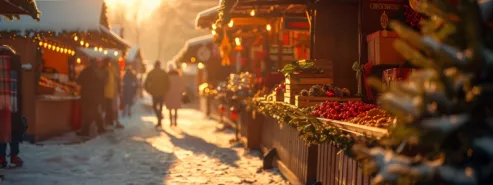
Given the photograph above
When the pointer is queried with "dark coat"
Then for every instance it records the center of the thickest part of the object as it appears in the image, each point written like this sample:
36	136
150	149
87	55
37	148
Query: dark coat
92	83
129	87
157	83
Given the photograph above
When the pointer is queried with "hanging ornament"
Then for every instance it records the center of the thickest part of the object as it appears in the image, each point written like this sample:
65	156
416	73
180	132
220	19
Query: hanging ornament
225	50
384	20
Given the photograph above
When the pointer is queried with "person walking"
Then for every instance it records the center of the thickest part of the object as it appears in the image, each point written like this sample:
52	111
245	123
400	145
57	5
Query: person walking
110	93
91	82
157	85
129	91
174	97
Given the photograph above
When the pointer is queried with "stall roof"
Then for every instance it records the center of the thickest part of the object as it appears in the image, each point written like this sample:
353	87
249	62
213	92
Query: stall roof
99	55
205	18
263	8
132	54
190	46
66	16
13	8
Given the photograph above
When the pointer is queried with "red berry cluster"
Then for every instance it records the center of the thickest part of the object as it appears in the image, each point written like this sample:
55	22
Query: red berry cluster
341	111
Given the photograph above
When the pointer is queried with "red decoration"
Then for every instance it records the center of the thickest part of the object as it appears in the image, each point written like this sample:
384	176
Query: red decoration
222	109
233	115
412	17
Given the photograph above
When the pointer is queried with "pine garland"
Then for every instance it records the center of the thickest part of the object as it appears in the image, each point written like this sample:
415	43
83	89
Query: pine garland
311	130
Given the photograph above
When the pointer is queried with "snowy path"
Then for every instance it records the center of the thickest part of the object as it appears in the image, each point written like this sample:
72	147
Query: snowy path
193	153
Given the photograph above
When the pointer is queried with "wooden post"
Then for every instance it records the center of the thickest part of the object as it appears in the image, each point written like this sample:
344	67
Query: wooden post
313	15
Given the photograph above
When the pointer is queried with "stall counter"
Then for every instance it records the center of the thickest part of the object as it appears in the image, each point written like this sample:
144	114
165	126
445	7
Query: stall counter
55	116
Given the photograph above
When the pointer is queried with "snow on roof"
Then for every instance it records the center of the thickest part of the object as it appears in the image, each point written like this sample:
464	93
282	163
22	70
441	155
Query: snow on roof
117	29
199	40
99	55
61	15
132	54
209	16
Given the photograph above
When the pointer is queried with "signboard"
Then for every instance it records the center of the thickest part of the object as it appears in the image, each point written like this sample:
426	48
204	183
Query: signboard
296	24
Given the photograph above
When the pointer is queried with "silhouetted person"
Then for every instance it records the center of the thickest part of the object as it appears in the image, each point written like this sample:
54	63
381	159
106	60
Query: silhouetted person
110	94
129	91
173	99
91	82
157	85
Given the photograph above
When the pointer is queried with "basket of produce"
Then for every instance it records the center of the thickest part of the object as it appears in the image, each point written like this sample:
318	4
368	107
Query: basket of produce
353	116
301	75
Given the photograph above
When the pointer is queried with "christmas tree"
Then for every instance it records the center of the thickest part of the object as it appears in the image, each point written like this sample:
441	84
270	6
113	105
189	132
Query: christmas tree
443	131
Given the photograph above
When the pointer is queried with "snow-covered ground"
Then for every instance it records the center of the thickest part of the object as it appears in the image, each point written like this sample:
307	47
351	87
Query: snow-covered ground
193	153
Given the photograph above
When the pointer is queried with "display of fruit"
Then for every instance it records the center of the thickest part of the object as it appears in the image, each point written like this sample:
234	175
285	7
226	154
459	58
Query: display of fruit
316	90
341	110
304	92
374	118
346	92
327	90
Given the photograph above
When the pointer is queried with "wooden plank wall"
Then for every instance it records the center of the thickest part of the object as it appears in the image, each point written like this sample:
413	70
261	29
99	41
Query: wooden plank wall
336	40
335	168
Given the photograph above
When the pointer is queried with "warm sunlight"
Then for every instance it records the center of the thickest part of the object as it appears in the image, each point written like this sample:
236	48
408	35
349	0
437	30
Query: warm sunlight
144	8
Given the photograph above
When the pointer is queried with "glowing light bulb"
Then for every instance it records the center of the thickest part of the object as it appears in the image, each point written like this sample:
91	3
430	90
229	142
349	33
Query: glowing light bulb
40	43
268	27
200	65
45	44
78	60
183	65
100	49
237	41
87	45
76	38
214	32
116	53
214	26
231	23
105	52
252	13
57	49
82	43
95	48
193	59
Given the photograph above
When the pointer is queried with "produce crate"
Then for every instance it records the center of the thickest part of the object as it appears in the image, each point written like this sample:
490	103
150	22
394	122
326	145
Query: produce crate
295	84
381	49
308	101
355	128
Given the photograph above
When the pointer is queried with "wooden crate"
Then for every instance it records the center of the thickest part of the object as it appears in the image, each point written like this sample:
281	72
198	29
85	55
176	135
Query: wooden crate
308	101
381	48
295	85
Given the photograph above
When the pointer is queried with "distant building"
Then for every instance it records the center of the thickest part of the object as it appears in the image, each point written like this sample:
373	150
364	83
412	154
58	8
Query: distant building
134	58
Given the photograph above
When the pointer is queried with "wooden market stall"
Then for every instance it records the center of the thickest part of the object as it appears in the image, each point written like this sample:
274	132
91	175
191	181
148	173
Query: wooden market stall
13	9
47	49
343	36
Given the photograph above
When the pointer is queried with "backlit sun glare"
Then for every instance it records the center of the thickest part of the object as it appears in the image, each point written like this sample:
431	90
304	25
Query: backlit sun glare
144	8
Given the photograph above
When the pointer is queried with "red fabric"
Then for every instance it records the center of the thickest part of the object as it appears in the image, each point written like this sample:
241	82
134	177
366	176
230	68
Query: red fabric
366	73
5	101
